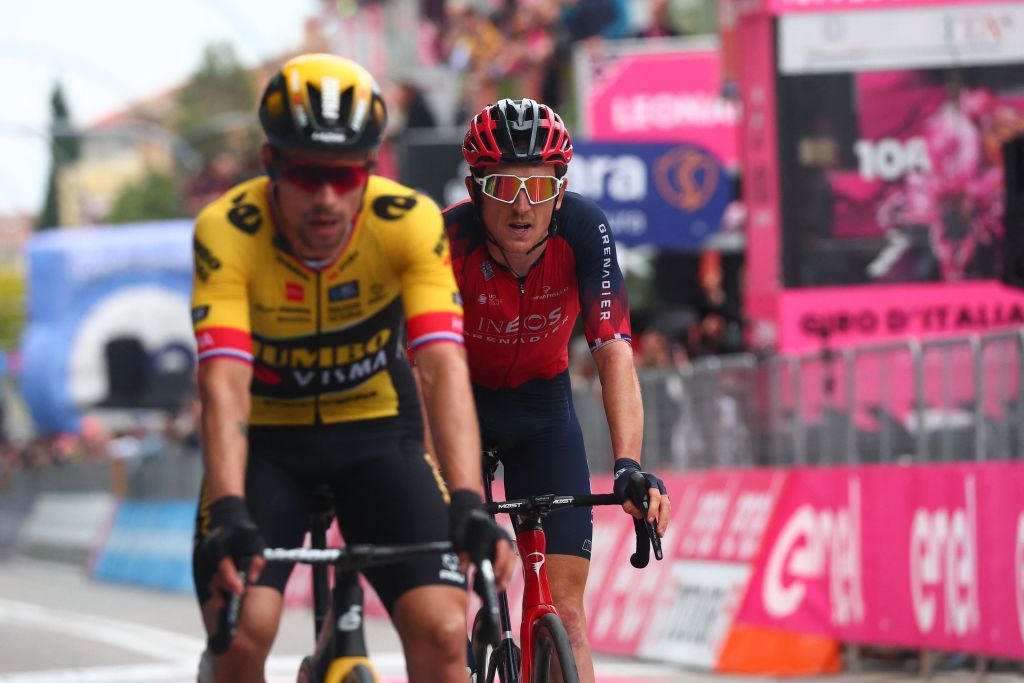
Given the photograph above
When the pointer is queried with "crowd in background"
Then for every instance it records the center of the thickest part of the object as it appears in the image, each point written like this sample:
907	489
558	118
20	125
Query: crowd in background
104	435
492	49
527	46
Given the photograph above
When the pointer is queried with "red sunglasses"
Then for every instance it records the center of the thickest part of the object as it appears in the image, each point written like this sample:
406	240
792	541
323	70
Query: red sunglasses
310	177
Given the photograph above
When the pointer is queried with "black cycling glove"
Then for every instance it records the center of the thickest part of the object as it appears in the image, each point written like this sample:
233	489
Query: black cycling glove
232	534
626	466
473	530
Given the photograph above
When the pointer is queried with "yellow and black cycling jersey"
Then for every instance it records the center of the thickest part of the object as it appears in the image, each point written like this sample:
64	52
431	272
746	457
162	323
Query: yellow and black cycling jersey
327	343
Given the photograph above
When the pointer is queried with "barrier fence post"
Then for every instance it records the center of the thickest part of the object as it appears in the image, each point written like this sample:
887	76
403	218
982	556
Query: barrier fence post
799	425
1020	396
775	417
921	436
885	399
850	377
979	398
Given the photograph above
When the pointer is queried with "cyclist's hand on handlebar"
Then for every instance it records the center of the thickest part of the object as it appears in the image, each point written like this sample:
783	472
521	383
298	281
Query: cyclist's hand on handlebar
234	540
476	536
659	509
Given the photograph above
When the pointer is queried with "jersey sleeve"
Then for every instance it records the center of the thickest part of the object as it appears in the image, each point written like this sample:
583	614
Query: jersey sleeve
220	289
433	307
604	302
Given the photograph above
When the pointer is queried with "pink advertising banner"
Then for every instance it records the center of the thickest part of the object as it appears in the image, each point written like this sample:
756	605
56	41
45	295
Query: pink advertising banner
681	608
789	6
851	316
760	178
925	557
663	96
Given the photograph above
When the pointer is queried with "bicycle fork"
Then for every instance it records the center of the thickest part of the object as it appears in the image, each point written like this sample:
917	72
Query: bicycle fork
537	600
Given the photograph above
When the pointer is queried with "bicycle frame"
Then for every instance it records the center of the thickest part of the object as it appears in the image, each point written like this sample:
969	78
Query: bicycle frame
537	600
531	541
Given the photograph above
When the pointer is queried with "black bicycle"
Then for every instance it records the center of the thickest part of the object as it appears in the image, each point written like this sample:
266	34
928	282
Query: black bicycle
341	655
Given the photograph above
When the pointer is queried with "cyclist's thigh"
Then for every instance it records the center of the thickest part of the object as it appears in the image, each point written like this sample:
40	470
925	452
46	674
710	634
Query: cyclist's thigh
396	497
277	504
549	457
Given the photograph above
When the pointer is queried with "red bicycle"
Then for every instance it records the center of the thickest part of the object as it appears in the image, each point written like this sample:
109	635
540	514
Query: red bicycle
545	644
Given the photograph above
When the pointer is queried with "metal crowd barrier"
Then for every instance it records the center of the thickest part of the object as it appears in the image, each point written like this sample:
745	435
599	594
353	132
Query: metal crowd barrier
941	400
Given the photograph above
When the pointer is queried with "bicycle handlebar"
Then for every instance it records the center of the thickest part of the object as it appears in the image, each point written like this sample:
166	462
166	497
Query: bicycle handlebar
646	533
349	558
356	557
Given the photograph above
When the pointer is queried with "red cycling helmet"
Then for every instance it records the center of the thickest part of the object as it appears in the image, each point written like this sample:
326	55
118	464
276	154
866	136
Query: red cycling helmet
517	132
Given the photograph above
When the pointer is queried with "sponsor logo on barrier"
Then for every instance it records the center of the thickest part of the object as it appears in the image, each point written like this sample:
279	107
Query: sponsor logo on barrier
695	614
1018	573
746	526
708	521
815	545
944	565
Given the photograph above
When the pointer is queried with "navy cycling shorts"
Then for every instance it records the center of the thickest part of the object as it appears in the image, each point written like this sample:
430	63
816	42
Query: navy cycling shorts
385	492
537	436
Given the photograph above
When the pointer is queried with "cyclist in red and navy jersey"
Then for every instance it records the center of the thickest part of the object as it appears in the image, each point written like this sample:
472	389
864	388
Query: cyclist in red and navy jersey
529	259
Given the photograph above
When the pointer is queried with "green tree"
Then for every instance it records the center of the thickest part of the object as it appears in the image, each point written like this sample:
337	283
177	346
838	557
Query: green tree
216	108
65	146
12	307
152	197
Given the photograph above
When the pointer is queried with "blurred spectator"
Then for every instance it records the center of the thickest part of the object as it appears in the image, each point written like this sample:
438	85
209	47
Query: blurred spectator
530	47
472	46
587	19
408	109
661	22
670	329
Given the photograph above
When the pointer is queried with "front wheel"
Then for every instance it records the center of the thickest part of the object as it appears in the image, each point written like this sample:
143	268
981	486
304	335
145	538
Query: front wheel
552	653
493	664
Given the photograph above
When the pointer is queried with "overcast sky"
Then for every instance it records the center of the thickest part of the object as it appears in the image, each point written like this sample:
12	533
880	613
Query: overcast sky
109	53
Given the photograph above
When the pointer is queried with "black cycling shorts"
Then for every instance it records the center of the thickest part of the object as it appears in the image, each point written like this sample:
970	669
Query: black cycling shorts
385	492
538	439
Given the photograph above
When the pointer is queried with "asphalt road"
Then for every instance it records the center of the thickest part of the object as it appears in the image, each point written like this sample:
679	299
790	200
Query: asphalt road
58	626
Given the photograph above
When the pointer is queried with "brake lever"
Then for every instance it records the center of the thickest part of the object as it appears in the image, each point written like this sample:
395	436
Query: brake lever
230	614
489	596
646	533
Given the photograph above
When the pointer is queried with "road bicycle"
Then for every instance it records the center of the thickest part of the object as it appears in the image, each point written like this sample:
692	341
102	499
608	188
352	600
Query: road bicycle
545	647
341	655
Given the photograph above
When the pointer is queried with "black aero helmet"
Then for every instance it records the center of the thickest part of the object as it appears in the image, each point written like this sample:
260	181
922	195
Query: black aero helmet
323	102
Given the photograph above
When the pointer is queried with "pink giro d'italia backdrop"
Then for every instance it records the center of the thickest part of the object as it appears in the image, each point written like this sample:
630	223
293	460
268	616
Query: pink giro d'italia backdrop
885	177
923	557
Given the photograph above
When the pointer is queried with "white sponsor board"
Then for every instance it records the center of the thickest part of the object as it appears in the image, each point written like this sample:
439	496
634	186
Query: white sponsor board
930	37
690	624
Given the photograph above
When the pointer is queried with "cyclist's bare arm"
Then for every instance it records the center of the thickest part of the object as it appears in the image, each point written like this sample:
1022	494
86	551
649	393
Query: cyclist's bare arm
224	393
620	391
444	382
448	400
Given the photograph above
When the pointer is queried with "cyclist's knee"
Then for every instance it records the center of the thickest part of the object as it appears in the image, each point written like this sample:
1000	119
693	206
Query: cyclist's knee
442	635
575	621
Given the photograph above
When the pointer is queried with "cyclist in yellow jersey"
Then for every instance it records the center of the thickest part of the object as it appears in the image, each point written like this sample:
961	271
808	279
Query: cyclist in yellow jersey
312	284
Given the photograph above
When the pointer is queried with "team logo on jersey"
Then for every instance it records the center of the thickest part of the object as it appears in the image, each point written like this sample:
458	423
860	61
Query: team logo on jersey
450	569
344	291
486	269
293	291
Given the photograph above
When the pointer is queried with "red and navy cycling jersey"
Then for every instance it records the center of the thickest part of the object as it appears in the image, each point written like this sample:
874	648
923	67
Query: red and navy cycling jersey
517	331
